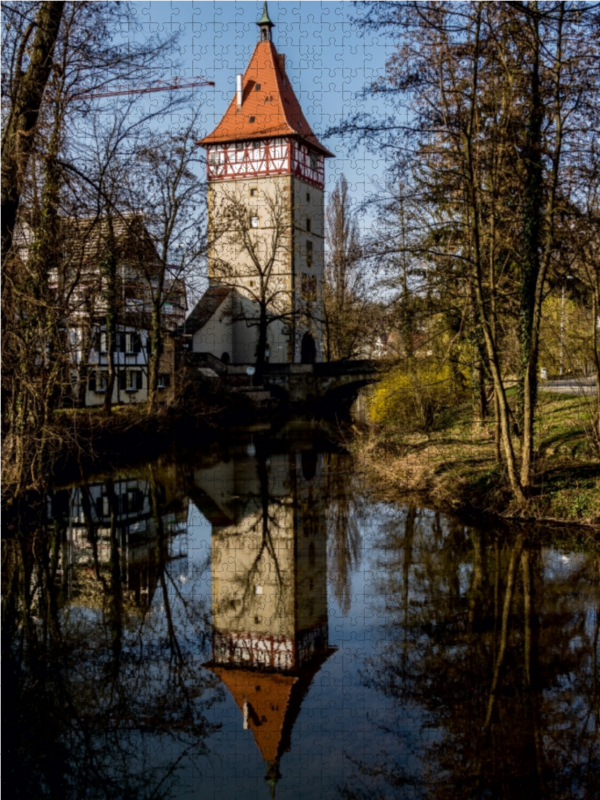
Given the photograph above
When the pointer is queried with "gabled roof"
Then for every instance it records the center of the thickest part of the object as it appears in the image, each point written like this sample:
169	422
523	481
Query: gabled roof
84	239
274	108
205	308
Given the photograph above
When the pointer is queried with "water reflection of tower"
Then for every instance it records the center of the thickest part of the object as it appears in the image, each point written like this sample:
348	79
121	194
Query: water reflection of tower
269	592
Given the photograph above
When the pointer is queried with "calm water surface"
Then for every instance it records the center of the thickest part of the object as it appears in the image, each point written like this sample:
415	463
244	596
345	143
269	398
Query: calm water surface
244	622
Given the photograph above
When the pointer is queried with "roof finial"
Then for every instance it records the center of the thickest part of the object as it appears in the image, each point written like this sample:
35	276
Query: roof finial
265	25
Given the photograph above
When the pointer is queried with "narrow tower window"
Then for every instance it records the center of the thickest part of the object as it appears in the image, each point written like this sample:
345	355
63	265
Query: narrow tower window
253	192
308	224
309	254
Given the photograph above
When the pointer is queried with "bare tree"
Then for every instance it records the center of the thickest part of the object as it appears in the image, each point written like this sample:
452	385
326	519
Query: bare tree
165	185
479	79
345	300
24	88
46	179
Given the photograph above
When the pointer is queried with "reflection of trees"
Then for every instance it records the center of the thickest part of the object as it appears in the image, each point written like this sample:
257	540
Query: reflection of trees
495	642
95	687
342	524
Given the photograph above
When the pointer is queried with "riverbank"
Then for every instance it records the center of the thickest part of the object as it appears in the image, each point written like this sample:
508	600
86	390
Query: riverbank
89	439
455	468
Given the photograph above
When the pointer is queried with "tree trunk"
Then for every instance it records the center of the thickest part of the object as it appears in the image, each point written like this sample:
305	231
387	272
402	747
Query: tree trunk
155	353
110	298
595	344
487	324
261	346
532	222
17	141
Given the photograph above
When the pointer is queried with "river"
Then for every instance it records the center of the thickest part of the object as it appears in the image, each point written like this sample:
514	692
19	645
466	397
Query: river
247	620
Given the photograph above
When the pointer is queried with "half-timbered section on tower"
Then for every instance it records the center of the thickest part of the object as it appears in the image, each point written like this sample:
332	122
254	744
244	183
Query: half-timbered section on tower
266	177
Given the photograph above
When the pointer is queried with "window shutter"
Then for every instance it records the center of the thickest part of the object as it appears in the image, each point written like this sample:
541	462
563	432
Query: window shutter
92	381
121	342
122	380
137	345
149	343
140	380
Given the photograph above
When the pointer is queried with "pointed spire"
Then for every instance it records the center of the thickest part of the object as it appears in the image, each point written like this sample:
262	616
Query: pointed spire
265	25
272	777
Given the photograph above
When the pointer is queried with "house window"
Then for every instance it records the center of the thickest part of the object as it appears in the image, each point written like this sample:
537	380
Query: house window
253	192
308	197
97	382
132	343
254	222
103	342
313	161
239	145
164	381
308	224
251	119
133	380
257	88
309	254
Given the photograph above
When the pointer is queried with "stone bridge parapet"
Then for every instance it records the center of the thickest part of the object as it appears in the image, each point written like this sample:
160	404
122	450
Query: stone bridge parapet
300	384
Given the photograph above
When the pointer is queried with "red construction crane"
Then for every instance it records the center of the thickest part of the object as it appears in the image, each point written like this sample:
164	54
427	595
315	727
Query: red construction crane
157	86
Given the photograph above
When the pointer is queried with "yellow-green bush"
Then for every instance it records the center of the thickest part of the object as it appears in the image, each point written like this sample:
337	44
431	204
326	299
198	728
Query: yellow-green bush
415	394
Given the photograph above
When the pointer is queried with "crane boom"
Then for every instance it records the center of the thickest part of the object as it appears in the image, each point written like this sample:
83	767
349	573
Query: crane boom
157	86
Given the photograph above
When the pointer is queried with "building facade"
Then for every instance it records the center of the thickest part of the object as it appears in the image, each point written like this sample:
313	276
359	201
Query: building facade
266	178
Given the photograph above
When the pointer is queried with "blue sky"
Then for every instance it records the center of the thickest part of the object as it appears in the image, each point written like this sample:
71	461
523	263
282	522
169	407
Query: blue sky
327	61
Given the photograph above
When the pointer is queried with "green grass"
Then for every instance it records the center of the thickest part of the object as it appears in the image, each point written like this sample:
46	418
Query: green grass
456	467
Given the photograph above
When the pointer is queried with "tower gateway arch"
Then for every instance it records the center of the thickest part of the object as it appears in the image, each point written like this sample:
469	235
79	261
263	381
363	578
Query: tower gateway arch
266	177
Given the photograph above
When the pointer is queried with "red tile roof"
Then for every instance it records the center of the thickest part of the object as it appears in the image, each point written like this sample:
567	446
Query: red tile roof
274	108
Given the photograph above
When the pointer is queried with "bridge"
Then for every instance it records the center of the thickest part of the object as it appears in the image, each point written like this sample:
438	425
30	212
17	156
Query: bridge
328	384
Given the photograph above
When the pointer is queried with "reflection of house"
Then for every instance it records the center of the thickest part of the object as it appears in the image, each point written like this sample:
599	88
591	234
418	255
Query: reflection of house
115	523
263	151
269	593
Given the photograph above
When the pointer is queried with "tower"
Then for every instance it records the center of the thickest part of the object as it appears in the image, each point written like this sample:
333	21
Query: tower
266	176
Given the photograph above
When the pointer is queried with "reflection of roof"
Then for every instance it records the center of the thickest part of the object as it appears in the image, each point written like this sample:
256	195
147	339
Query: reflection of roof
269	105
206	307
270	703
207	506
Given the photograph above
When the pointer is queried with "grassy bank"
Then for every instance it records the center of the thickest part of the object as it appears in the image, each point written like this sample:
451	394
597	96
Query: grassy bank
455	467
